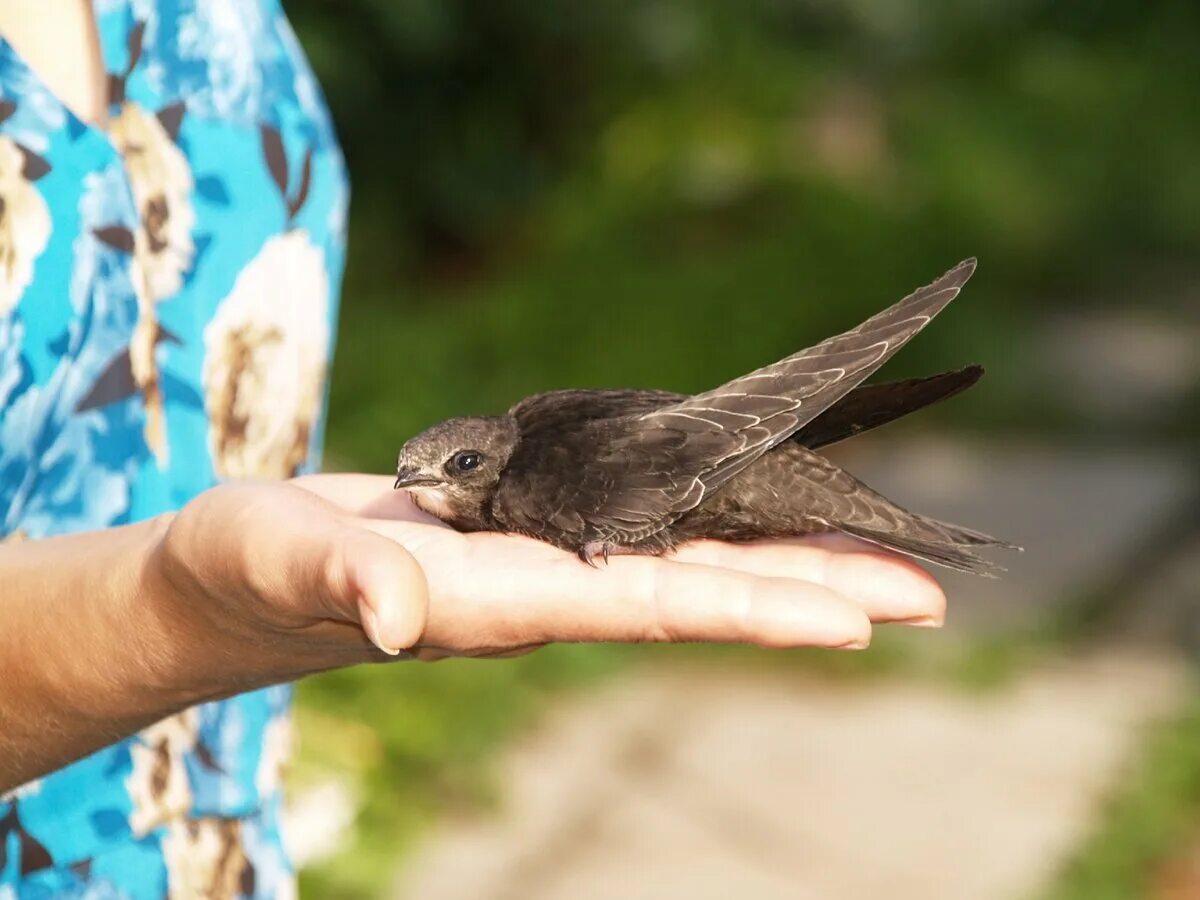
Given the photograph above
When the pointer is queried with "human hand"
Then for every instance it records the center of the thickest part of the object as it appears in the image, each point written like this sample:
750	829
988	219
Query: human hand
265	582
252	584
287	579
107	632
496	595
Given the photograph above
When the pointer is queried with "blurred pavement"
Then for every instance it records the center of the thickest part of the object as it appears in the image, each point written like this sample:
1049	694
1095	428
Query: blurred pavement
706	784
712	783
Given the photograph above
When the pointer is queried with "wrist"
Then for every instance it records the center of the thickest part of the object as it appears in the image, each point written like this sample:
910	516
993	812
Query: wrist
189	652
207	580
164	669
162	630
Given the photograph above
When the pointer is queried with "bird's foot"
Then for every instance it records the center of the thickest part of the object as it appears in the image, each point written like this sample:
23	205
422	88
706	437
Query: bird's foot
604	549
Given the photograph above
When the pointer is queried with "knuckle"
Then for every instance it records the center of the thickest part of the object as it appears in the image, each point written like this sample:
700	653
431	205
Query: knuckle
333	578
654	587
740	608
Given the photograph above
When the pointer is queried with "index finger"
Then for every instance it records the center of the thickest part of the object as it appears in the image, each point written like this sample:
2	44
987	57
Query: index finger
497	590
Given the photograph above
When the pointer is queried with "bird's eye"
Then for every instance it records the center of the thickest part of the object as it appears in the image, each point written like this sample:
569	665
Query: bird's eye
466	460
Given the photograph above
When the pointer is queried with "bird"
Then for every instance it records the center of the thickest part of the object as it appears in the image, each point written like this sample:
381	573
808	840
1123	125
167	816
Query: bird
624	471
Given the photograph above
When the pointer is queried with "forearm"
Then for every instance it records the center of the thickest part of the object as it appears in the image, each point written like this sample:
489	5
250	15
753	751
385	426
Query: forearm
89	647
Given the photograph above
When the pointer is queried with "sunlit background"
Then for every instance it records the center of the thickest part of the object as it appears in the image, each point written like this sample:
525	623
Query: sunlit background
667	193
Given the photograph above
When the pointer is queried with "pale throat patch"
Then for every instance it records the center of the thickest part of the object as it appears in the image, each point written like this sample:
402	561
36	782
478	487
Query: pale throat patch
432	500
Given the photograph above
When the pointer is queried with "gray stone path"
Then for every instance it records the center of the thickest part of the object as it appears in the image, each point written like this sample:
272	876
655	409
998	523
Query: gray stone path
707	783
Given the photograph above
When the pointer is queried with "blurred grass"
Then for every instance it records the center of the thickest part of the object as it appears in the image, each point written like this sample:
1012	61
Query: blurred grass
667	194
415	741
1151	813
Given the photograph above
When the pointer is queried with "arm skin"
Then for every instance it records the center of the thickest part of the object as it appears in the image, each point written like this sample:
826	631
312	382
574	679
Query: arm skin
107	632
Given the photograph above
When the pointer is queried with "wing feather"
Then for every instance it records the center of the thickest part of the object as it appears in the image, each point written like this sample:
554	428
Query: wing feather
707	439
871	405
757	411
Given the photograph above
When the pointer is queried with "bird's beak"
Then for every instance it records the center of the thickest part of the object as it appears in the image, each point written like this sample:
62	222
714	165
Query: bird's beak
406	477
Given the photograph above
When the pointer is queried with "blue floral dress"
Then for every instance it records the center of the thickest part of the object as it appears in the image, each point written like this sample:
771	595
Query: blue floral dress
168	288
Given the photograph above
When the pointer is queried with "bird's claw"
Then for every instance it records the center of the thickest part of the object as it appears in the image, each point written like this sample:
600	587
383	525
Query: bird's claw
589	551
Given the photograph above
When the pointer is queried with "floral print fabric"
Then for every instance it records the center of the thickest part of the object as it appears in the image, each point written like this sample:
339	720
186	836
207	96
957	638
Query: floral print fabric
168	288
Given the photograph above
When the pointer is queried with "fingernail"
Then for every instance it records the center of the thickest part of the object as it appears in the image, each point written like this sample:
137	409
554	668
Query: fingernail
370	624
854	645
921	622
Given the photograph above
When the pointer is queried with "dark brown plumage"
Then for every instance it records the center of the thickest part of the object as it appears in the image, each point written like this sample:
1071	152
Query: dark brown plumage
627	471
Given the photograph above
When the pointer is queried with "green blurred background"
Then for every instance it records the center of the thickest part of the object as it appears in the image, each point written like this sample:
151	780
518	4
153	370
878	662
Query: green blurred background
668	193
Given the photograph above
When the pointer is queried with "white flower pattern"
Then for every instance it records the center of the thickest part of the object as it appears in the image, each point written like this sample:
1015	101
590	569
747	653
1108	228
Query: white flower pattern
163	248
158	785
161	180
24	226
278	738
266	353
205	859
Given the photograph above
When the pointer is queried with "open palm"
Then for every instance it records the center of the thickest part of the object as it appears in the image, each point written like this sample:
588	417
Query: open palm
495	595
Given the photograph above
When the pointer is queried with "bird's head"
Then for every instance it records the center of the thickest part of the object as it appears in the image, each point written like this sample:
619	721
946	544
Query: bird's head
453	467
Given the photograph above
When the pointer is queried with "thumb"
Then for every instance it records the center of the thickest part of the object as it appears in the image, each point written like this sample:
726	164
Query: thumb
375	581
